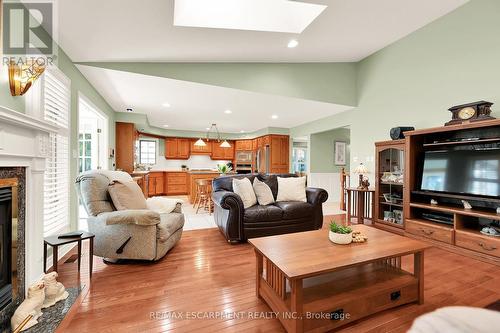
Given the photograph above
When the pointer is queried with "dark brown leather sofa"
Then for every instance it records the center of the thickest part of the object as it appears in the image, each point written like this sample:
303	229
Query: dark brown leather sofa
238	224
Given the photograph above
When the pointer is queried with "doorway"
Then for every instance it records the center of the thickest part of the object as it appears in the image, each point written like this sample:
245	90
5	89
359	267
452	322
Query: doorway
92	144
92	137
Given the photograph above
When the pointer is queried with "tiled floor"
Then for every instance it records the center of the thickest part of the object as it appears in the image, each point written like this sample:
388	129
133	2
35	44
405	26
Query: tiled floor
194	221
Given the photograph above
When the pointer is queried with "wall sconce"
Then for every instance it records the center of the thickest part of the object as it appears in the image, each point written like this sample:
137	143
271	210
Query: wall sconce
22	77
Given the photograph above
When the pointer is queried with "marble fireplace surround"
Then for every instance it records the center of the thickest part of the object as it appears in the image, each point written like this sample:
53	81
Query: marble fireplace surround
24	141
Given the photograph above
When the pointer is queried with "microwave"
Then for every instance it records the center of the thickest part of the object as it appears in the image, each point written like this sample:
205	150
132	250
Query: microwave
243	157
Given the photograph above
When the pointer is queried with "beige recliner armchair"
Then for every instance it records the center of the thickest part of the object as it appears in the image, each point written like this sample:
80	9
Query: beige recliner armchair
120	234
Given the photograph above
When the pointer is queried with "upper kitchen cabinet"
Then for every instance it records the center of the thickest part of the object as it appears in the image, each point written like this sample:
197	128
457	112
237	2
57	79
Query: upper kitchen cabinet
221	153
243	145
201	150
126	136
177	148
280	152
255	144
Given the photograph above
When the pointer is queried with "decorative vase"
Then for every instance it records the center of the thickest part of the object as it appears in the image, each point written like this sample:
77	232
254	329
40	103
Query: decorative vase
341	239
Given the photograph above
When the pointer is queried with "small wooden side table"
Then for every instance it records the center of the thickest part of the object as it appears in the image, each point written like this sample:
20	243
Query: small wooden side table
55	242
359	198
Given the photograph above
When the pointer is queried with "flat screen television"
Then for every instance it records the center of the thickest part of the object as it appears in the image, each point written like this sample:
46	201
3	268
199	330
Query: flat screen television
470	172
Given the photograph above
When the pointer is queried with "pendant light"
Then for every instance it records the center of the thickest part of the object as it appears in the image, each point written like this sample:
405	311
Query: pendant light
200	143
224	144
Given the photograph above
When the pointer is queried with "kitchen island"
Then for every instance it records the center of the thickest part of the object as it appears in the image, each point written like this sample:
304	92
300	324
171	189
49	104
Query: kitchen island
172	182
194	174
161	182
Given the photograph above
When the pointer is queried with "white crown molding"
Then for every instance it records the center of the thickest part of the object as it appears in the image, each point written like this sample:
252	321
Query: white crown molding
23	120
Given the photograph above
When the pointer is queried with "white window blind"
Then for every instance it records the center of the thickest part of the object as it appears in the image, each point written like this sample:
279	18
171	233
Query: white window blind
56	109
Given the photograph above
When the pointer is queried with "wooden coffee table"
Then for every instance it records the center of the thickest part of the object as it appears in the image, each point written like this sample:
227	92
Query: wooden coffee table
313	284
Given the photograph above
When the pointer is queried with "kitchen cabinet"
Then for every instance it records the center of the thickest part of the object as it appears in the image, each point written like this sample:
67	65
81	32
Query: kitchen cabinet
201	150
142	179
221	153
255	145
280	152
177	148
243	145
125	145
176	183
156	184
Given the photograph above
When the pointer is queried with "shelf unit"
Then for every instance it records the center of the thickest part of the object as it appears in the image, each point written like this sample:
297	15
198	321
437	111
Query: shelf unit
390	158
463	235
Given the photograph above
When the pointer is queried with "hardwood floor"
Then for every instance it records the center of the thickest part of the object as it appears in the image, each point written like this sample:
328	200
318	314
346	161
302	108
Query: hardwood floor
204	275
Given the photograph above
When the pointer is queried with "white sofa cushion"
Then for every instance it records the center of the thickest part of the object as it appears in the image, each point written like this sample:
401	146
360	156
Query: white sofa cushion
243	188
263	192
292	189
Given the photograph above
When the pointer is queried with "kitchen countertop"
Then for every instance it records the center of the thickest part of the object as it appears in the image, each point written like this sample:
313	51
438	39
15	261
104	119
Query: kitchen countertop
210	172
193	171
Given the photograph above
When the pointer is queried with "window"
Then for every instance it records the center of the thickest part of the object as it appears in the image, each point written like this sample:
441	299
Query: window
56	105
84	152
147	152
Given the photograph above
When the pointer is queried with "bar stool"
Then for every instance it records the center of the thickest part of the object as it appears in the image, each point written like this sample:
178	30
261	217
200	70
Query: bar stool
203	196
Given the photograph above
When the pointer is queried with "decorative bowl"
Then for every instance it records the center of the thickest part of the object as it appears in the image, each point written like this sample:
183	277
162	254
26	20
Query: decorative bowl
341	239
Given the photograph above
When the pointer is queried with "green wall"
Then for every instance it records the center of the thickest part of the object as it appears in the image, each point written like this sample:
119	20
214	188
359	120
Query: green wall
415	80
326	82
321	154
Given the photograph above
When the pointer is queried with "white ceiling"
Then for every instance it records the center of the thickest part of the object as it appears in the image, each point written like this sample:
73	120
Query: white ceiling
132	30
194	106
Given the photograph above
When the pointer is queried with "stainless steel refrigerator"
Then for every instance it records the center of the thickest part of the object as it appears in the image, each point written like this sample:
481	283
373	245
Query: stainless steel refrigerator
262	159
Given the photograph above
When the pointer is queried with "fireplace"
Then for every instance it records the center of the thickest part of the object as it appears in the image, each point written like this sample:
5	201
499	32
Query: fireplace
11	241
5	246
24	148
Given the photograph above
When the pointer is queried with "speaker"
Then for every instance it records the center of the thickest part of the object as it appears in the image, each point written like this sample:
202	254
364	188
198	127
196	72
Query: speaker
398	132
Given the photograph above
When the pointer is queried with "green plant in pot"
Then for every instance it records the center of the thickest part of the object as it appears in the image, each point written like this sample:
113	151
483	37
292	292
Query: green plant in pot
223	168
340	234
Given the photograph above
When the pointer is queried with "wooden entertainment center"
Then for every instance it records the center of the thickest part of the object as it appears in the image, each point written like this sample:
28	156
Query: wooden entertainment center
462	233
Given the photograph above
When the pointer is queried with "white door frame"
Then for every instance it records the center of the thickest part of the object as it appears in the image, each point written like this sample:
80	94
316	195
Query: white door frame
103	155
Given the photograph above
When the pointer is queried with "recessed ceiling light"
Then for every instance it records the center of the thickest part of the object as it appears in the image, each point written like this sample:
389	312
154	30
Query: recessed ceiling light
165	125
167	105
274	116
228	111
129	110
276	16
293	43
242	131
208	128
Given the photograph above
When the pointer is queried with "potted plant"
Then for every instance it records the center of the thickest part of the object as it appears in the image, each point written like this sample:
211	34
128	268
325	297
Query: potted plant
340	234
223	168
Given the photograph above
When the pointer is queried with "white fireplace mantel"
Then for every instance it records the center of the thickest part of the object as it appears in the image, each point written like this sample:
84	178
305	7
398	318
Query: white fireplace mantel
24	142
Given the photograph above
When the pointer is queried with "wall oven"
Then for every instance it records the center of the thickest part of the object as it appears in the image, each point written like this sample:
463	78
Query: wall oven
244	162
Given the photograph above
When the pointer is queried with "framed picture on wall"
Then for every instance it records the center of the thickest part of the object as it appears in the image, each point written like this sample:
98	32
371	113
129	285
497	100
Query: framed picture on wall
340	153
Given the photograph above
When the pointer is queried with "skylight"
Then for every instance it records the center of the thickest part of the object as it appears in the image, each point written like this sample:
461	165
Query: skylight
256	15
